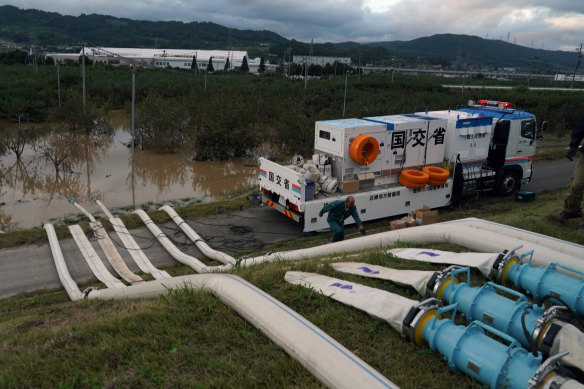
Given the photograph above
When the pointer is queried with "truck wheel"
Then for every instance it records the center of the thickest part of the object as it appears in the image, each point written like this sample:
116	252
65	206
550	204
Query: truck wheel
508	183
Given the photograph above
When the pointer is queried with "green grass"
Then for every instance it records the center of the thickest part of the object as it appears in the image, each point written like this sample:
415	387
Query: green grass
552	147
191	339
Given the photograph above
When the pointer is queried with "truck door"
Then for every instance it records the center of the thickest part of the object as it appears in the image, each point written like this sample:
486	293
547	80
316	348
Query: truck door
526	143
496	157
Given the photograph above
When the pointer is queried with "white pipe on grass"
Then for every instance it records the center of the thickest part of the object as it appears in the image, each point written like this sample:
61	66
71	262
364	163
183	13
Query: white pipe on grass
130	244
463	232
183	258
197	240
324	357
62	271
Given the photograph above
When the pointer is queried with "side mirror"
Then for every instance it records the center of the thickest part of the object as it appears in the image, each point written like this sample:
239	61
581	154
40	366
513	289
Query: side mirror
543	126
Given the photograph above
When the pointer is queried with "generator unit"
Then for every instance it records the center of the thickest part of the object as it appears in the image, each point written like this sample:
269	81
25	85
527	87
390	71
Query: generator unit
354	147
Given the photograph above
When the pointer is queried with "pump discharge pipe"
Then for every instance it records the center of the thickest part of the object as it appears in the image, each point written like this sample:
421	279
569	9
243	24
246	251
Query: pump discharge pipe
192	262
532	325
467	349
556	282
130	244
196	238
543	283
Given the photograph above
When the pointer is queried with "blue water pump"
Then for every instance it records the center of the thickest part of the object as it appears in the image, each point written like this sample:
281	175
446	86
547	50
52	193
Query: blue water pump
531	325
472	351
543	283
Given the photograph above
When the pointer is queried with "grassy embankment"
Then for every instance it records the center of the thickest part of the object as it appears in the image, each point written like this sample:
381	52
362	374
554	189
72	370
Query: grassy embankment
191	339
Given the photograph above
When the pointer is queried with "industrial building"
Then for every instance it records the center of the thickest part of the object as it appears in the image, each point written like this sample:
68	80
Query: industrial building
322	61
159	58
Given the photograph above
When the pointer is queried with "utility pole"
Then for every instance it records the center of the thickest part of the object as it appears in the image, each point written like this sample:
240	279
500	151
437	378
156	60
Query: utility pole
133	105
305	72
59	82
578	61
345	98
230	48
531	68
465	74
83	75
359	70
306	65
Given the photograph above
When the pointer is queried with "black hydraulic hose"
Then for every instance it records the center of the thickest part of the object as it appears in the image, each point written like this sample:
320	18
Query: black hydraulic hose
530	341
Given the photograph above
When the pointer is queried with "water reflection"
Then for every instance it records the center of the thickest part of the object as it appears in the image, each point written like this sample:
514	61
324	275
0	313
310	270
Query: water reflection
35	188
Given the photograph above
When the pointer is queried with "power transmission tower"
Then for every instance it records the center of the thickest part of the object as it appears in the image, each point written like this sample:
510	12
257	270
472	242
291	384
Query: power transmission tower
578	61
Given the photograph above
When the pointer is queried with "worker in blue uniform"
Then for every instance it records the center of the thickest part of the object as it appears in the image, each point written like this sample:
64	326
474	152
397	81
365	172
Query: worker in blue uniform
338	211
573	201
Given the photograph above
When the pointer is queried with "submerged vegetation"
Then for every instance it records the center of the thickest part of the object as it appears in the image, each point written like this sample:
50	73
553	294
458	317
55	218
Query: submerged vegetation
228	114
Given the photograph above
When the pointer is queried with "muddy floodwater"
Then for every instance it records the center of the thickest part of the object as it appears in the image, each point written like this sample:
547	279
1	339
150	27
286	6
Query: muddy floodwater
32	192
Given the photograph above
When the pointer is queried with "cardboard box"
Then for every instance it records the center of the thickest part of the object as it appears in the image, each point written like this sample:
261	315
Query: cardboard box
349	186
397	224
365	176
426	216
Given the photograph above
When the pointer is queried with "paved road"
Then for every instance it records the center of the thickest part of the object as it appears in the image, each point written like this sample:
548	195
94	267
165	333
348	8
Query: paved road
30	268
551	175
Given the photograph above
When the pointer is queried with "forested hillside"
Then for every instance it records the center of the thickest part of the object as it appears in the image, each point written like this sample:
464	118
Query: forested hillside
52	30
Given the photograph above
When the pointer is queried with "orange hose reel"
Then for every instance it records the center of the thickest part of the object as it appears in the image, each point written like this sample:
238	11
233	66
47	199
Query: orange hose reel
413	178
364	149
438	176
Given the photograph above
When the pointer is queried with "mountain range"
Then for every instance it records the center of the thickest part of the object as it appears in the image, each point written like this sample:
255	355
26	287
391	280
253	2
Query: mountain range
55	31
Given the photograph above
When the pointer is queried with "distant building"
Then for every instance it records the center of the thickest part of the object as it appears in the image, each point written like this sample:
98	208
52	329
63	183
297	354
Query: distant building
322	61
564	77
157	58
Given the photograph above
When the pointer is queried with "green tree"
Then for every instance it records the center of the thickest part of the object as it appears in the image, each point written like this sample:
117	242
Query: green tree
14	57
226	67
162	123
262	67
16	138
210	67
244	68
88	61
194	64
48	60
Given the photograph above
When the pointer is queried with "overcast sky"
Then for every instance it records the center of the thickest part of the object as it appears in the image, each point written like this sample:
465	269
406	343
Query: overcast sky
548	24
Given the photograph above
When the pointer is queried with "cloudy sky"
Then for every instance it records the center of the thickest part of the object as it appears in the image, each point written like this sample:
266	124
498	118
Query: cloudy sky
548	24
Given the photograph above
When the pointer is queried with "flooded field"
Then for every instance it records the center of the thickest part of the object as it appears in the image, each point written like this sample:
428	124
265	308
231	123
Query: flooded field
36	189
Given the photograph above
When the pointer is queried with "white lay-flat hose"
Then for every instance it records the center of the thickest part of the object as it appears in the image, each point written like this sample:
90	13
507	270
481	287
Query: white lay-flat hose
324	357
197	240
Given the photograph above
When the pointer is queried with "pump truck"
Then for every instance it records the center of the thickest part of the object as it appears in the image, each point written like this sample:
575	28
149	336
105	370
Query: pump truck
395	164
